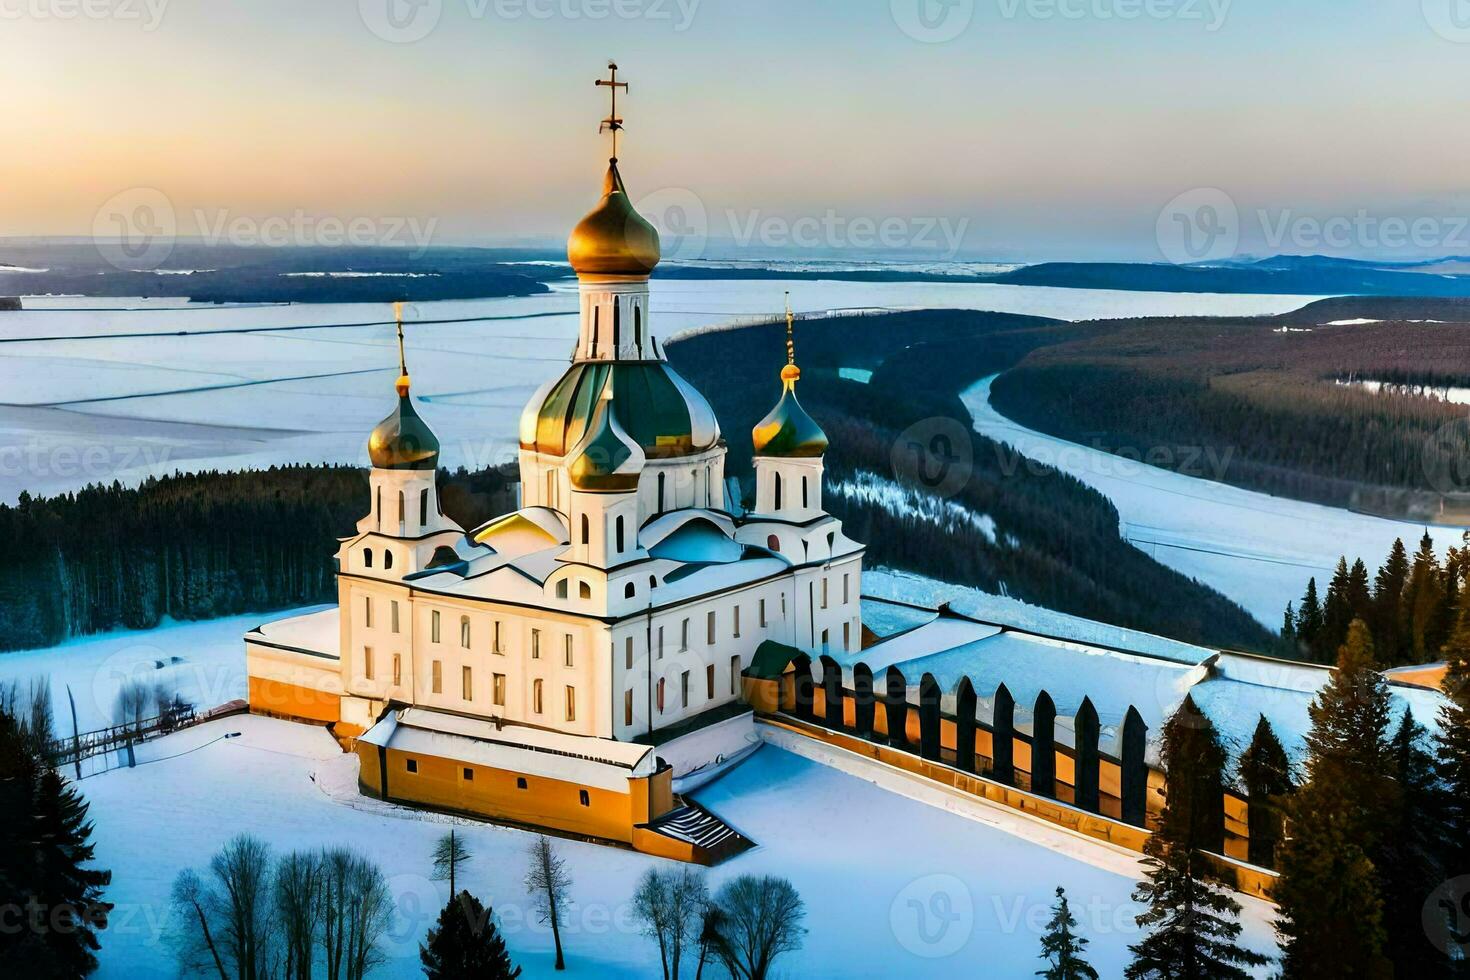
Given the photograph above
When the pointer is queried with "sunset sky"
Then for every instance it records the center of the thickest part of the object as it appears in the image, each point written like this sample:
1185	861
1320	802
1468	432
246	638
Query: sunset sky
1048	129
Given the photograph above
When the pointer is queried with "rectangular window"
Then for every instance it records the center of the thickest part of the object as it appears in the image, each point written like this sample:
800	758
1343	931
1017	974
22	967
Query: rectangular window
536	696
434	626
824	593
412	765
437	677
709	682
498	648
783	605
737	622
397	670
684	636
660	695
735	674
469	774
367	611
846	588
846	637
710	628
464	632
627	707
582	795
628	652
567	650
367	662
466	685
393	614
825	644
499	680
520	782
763	614
660	643
684	688
571	703
535	644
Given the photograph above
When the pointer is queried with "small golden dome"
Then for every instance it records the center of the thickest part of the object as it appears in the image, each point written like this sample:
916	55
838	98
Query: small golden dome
613	239
791	373
403	441
788	430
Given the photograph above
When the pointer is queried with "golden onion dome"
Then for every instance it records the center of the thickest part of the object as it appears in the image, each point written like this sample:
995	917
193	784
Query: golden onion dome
788	430
607	460
655	406
403	441
613	239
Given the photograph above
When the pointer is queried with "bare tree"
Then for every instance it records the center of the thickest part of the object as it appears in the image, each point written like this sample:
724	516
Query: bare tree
449	854
762	920
711	921
194	942
357	910
297	890
242	871
670	903
547	881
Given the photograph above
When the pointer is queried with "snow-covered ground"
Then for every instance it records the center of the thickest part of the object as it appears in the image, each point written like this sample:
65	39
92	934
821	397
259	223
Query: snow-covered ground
942	893
132	388
1255	548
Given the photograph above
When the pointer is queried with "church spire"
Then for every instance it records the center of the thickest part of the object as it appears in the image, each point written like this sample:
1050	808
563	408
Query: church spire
403	383
788	430
613	123
790	374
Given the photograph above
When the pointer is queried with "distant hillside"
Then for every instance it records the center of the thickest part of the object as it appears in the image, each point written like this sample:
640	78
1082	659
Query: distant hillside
909	476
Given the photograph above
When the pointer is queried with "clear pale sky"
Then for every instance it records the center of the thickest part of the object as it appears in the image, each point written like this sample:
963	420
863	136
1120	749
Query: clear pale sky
1050	134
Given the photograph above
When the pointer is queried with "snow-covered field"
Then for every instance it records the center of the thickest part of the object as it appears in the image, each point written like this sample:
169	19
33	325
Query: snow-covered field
942	893
96	392
1255	548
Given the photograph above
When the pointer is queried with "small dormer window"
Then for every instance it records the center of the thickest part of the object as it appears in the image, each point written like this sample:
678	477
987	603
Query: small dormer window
387	559
584	590
561	589
367	558
629	591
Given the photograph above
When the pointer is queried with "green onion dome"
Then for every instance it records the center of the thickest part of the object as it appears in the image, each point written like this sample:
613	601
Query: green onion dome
607	460
403	441
788	430
654	405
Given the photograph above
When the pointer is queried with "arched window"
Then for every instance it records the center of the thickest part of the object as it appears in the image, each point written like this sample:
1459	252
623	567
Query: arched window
661	478
652	582
464	632
561	589
777	479
620	535
584	590
367	558
774	543
586	530
387	559
424	507
831	542
402	510
629	591
536	696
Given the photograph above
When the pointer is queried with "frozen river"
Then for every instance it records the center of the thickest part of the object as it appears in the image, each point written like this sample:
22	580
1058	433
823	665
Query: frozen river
96	390
1257	549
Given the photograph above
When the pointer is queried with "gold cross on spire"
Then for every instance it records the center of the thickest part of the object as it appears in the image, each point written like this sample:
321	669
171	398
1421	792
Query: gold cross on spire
790	374
402	361
613	123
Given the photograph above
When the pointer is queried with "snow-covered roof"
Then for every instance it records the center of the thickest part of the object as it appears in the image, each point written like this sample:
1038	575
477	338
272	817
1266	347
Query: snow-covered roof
586	761
316	633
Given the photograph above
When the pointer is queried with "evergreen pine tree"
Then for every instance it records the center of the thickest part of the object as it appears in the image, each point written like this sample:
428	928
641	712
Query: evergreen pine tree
1309	617
1288	634
1062	948
1337	613
1192	920
1453	744
1266	774
1423	608
1359	595
1388	595
1329	892
1409	863
465	944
